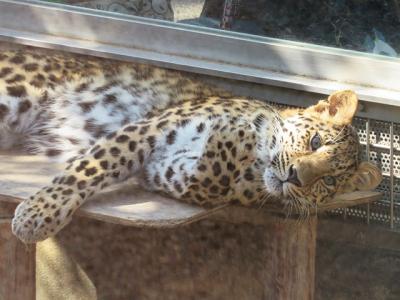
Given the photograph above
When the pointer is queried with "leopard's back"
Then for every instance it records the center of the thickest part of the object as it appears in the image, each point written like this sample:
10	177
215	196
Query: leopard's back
59	104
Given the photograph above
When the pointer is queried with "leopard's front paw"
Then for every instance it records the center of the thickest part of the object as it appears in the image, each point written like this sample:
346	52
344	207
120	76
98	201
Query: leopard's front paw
41	216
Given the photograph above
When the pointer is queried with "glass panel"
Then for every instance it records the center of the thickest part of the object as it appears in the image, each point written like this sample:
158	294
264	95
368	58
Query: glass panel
212	258
362	25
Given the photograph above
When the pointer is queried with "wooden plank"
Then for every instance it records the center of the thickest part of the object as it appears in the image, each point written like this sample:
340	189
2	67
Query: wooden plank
291	259
23	175
17	261
130	205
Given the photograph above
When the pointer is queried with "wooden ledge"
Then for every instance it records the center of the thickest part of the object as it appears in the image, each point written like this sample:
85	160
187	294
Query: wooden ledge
23	175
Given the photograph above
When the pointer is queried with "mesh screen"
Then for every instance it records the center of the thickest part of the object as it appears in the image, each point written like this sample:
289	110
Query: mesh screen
381	144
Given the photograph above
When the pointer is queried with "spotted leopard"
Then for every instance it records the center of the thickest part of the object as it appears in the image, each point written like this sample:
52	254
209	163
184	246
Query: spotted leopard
112	121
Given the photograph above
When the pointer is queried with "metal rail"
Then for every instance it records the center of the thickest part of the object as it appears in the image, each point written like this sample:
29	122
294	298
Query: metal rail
275	62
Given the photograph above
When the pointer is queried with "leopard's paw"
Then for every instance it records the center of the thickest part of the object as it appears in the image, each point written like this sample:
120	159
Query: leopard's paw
41	216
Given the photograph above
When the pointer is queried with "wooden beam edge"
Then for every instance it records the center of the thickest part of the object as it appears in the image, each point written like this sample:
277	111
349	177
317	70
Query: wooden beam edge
159	223
253	214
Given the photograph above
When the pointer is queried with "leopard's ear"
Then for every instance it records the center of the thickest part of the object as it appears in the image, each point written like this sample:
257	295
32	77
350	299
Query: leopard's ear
339	108
367	177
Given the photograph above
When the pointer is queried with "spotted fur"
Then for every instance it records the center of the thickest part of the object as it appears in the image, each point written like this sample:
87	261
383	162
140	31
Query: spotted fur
196	144
59	104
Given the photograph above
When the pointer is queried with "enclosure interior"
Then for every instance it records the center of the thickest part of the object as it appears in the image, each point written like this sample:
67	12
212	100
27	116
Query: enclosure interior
366	249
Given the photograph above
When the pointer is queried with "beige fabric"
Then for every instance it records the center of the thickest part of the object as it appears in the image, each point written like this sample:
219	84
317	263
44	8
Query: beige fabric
58	276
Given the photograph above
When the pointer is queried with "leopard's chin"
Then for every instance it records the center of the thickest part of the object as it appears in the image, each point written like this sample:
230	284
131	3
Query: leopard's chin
273	185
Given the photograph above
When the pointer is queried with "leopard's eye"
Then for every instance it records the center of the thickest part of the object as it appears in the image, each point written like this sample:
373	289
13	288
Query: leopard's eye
315	142
329	180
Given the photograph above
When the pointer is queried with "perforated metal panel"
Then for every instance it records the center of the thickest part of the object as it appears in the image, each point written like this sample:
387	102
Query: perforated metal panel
381	145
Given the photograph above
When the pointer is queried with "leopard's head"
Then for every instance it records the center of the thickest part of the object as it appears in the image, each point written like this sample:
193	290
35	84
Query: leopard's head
316	154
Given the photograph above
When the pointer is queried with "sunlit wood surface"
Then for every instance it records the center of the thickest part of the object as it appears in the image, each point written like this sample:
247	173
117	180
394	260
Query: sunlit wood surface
23	175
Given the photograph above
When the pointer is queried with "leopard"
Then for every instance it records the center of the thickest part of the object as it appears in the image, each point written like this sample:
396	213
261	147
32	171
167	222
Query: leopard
109	121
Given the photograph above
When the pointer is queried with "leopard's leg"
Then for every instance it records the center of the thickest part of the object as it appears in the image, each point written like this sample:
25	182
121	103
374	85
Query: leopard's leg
112	159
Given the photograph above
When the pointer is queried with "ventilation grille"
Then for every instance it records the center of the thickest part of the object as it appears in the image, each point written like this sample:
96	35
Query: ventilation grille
380	145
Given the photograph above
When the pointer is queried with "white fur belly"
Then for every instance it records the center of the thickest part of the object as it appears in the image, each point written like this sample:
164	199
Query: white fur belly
171	166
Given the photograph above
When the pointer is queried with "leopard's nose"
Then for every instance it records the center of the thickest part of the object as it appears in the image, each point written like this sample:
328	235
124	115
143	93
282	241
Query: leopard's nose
292	176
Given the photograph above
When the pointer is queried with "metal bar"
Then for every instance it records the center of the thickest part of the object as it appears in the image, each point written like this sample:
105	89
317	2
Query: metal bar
228	13
391	176
302	98
388	175
378	146
204	50
367	150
